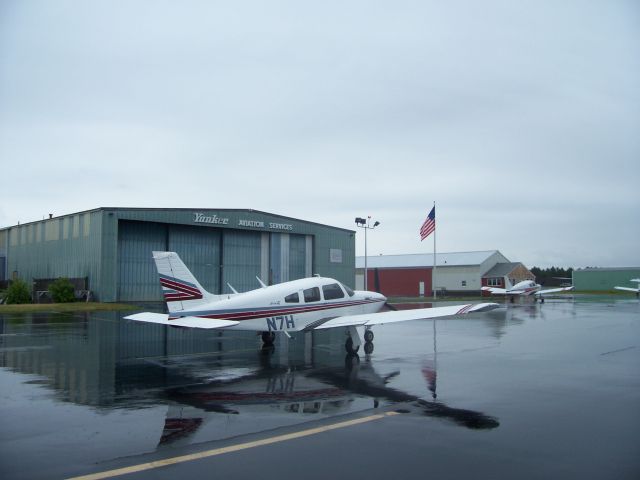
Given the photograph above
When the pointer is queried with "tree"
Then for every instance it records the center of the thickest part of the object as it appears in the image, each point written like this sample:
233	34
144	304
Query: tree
62	291
553	276
18	292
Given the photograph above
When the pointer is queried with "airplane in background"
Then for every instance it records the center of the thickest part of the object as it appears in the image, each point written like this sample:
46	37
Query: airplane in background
300	305
526	288
631	289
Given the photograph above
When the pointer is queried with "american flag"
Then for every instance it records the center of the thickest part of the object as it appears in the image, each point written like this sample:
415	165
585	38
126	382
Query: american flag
429	225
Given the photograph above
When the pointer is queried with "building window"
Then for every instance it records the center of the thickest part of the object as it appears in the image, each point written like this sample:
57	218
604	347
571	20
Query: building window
464	283
494	282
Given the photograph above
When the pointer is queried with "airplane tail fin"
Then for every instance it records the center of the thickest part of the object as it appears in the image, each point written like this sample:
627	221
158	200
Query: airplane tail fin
180	288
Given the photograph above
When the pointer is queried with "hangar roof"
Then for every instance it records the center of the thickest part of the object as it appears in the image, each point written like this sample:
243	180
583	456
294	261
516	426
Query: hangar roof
454	259
171	213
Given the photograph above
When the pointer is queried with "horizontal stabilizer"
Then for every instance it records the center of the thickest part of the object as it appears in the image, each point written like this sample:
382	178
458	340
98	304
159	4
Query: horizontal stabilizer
189	322
369	319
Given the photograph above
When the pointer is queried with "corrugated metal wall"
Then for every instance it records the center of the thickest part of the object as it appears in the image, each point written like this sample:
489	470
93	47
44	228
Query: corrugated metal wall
297	256
199	249
58	247
241	259
604	279
137	274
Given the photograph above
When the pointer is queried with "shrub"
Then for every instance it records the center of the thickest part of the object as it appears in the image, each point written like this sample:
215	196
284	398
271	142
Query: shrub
62	291
18	292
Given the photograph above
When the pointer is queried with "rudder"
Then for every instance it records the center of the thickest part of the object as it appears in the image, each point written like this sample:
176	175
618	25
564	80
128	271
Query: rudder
180	288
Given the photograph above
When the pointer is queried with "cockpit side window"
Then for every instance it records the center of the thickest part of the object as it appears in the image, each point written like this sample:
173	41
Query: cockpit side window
293	298
350	292
332	291
311	294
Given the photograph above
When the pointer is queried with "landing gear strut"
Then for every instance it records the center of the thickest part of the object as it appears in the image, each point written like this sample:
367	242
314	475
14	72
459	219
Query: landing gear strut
348	346
268	338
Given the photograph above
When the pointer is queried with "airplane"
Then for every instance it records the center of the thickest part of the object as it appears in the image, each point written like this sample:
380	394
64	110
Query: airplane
631	289
526	288
299	305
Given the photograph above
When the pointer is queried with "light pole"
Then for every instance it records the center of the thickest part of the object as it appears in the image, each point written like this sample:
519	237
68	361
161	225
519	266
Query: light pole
366	224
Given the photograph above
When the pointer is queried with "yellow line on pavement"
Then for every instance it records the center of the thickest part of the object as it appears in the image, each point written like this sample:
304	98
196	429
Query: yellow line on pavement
232	448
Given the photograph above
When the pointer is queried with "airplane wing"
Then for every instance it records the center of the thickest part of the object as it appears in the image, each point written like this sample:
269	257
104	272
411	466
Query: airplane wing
628	289
368	319
193	322
554	290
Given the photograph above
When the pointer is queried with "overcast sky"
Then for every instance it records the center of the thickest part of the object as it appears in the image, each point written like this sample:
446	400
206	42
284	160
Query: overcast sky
521	120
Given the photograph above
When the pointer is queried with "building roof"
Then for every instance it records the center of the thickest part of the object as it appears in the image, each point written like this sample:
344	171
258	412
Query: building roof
174	210
454	259
604	269
502	269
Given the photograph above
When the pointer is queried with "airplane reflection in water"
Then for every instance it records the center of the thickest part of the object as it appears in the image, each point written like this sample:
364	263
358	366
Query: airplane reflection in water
310	391
175	386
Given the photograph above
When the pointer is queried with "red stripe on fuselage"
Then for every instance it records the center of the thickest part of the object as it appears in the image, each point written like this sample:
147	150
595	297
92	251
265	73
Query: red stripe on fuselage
252	314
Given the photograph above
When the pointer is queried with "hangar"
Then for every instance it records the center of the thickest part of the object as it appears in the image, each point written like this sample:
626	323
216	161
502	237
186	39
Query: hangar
458	272
604	279
110	249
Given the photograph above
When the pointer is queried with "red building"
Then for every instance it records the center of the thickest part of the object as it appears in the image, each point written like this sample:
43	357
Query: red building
455	273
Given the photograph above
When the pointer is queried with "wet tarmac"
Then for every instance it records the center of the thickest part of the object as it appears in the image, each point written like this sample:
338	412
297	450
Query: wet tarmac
526	391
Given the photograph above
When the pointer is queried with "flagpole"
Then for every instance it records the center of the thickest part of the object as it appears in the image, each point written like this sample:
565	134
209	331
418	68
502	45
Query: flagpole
433	275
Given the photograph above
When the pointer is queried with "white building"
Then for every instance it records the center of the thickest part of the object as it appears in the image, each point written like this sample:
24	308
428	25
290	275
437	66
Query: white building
412	274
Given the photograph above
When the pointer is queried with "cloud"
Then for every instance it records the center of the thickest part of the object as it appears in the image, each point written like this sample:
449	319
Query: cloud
520	120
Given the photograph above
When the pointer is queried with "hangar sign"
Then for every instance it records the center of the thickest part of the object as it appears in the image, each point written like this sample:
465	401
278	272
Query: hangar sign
215	219
269	225
199	217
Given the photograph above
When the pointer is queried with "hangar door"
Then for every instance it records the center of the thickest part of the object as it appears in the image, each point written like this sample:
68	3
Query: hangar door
198	247
137	274
287	257
241	260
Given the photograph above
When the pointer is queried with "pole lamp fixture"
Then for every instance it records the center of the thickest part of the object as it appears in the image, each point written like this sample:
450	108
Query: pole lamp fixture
366	224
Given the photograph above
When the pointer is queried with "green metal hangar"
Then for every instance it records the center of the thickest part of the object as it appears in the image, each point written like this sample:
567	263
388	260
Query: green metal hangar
111	248
604	279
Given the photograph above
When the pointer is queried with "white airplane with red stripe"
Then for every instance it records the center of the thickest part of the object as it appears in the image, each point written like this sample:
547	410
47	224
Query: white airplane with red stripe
300	305
526	288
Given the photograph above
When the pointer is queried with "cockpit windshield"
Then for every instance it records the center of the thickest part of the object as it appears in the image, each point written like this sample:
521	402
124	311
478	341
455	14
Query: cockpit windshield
350	292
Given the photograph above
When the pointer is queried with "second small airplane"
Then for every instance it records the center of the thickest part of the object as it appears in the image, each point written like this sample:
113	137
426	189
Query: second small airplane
526	288
300	305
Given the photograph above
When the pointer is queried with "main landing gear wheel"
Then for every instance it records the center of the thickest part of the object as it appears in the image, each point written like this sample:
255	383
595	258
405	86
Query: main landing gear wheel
348	346
268	338
368	348
368	336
